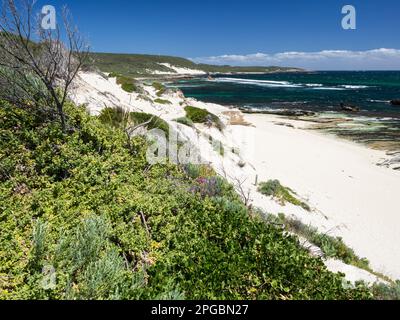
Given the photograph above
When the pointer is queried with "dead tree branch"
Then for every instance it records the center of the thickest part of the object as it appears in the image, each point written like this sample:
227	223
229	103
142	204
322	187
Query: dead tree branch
37	65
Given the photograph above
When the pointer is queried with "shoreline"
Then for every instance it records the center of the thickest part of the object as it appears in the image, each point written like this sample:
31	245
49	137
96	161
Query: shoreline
350	195
356	199
350	127
179	76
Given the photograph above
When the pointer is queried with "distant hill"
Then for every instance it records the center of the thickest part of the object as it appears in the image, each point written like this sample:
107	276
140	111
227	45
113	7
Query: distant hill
136	65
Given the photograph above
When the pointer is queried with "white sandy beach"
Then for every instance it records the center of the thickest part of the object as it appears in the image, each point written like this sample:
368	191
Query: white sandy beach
350	195
360	200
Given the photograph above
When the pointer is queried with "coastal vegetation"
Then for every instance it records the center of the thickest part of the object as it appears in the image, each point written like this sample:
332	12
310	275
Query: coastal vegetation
138	65
334	247
153	121
383	291
273	188
122	119
160	88
185	121
83	216
162	101
198	115
127	84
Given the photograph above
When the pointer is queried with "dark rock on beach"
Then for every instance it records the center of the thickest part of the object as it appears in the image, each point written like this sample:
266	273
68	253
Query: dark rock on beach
284	112
349	108
395	102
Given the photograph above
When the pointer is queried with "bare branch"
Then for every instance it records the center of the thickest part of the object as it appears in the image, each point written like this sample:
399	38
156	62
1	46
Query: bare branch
27	51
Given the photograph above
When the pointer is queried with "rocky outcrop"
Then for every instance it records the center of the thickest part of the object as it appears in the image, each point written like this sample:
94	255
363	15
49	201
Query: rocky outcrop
282	112
349	108
395	102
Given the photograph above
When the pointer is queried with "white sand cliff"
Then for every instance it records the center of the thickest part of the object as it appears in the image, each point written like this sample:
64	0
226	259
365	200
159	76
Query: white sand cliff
179	70
350	195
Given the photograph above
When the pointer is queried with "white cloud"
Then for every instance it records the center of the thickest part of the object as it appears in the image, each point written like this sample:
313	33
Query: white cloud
376	59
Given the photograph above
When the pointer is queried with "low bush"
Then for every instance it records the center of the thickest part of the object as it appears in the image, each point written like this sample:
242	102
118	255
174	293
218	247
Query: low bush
84	217
208	187
119	118
273	188
198	115
113	75
155	123
185	121
126	83
195	171
383	291
115	117
332	247
162	101
128	87
160	88
218	147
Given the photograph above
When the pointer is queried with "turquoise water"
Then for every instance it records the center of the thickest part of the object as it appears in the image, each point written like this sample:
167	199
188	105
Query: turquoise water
317	91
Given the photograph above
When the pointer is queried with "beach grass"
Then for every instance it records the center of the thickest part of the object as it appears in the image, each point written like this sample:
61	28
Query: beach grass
162	101
185	121
333	247
273	188
127	84
198	115
121	119
160	88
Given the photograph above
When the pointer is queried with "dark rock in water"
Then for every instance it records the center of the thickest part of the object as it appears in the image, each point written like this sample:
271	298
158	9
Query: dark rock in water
349	108
285	124
395	102
284	112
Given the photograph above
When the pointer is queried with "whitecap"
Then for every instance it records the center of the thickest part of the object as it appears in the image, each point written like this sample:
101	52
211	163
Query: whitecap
379	101
313	85
264	83
329	88
349	86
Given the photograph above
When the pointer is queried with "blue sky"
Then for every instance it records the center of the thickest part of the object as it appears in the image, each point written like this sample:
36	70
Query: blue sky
245	32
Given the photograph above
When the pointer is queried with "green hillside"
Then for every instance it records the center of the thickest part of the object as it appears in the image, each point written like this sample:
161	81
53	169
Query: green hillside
84	216
135	65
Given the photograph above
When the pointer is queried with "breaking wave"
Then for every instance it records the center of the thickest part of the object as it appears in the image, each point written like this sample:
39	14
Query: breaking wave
287	84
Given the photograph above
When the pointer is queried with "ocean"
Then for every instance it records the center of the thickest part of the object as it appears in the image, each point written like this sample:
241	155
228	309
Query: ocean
322	92
318	91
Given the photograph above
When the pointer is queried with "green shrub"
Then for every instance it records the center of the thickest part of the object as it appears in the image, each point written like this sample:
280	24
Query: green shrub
218	147
160	88
156	122
386	291
195	171
128	87
115	117
119	118
273	188
145	97
113	75
198	115
38	243
185	121
126	83
162	101
114	227
332	247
